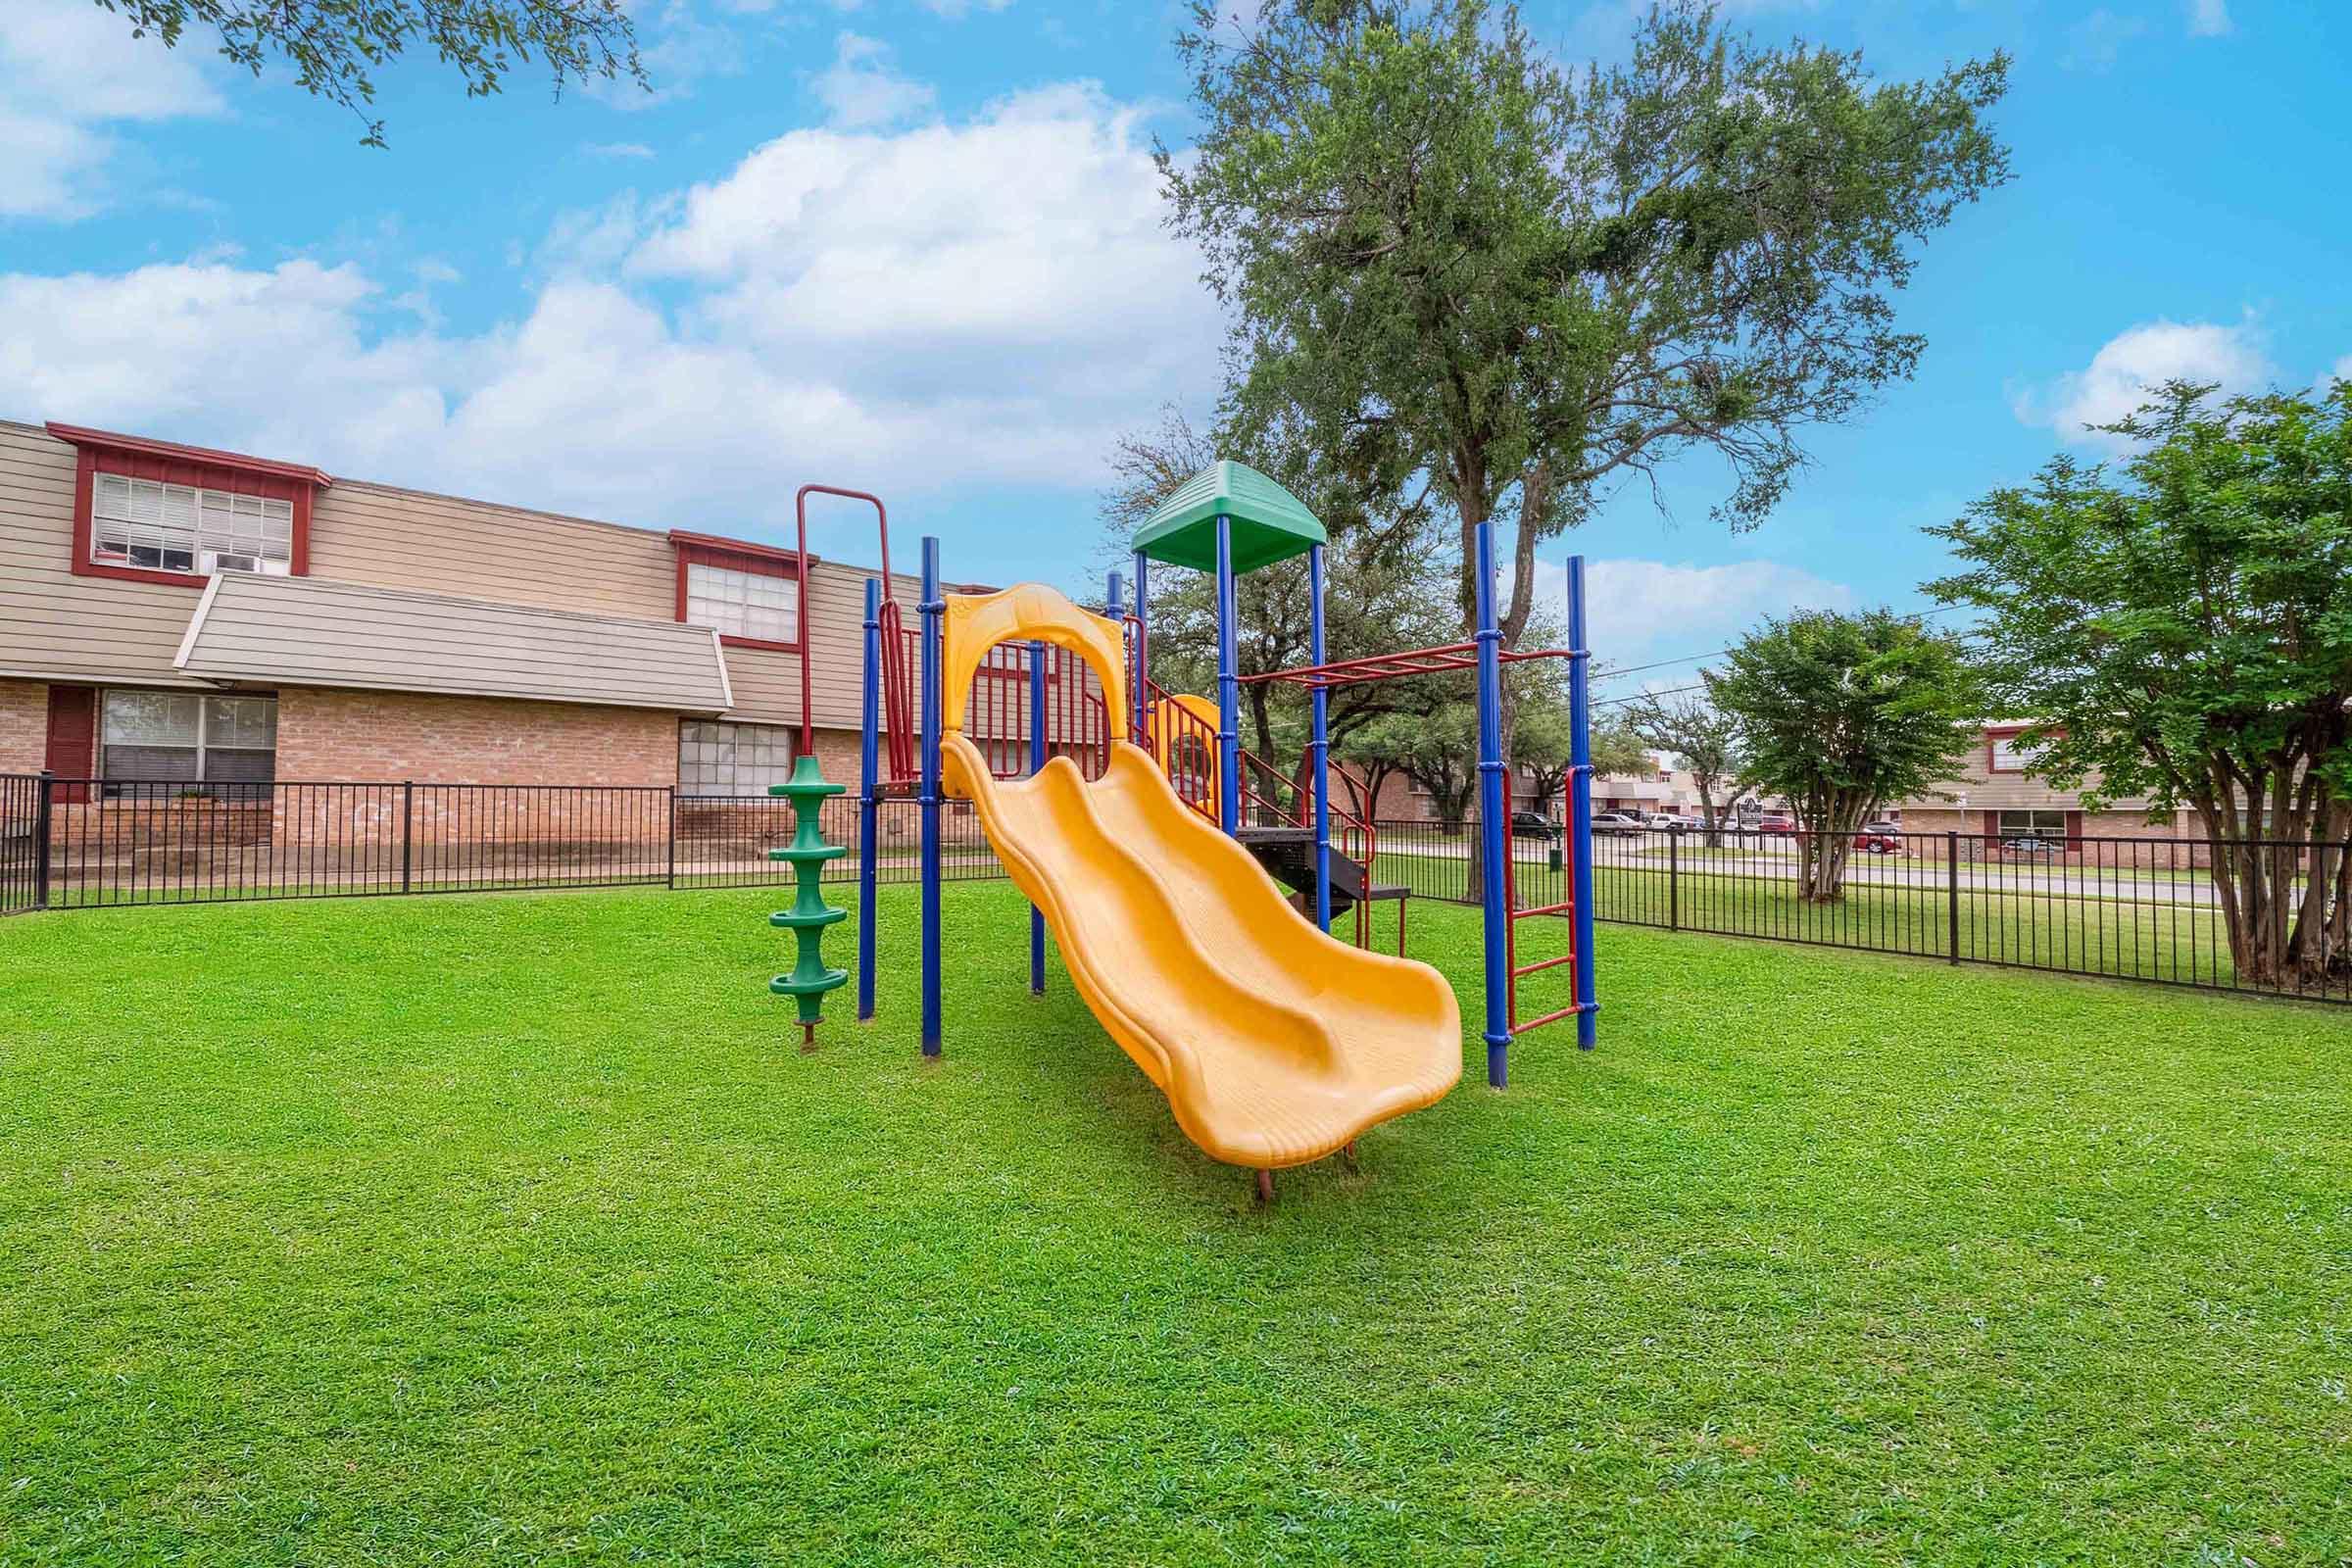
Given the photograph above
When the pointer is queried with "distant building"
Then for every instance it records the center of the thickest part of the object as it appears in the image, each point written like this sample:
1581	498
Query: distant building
1996	801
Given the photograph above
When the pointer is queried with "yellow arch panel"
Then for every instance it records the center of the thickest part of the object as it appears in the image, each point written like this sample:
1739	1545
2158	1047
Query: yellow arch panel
1028	611
1161	744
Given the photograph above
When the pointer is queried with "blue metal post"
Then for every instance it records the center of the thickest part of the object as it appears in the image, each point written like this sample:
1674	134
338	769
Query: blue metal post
934	613
1037	759
1494	838
869	723
1319	740
1115	606
1142	646
1580	805
1229	686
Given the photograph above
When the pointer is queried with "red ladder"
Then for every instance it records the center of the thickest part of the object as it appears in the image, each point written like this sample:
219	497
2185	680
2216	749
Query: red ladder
1566	906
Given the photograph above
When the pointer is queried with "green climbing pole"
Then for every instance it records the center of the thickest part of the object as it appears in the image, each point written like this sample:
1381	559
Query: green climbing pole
809	915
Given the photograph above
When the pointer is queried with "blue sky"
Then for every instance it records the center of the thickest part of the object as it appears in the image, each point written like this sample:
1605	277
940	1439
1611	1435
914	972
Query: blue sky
914	246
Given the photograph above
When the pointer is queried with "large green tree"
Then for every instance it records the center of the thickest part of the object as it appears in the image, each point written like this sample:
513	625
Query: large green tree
2182	632
1446	258
1840	714
336	46
1703	738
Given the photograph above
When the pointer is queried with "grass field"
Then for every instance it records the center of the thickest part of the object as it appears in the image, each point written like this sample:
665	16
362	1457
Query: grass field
514	1227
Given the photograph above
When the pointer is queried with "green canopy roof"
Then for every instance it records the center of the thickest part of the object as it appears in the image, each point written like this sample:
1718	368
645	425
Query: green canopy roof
1269	523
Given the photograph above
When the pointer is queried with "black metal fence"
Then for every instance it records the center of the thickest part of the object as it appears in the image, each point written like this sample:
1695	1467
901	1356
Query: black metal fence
2140	909
2134	909
92	843
23	842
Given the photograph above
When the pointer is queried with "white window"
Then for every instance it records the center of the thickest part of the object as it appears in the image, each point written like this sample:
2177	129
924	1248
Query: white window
177	527
2012	752
2031	825
188	739
715	757
743	604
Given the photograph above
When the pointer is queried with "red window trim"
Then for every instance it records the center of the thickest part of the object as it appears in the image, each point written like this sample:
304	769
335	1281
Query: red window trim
741	555
2000	732
142	457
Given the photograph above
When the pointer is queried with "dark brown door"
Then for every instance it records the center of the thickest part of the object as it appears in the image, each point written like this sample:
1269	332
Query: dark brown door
73	737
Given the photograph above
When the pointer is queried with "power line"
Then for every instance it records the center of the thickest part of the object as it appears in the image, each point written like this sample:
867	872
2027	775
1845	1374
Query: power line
1635	697
1691	658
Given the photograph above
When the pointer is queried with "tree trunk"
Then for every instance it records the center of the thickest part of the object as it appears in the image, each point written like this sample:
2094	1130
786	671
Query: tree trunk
1828	847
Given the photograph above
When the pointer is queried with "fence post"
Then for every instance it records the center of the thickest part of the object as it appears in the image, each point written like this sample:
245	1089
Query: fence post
1674	882
1951	892
44	809
673	838
408	817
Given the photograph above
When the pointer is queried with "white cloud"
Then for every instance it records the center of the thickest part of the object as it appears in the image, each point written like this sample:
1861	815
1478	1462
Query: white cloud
682	49
2129	365
618	149
2341	370
1025	249
1642	610
66	70
949	307
215	350
860	91
957	10
2095	42
2208	18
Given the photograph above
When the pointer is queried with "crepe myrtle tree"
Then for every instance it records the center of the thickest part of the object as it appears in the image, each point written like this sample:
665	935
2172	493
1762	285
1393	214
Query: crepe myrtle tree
335	46
1446	256
2181	629
1703	737
1838	714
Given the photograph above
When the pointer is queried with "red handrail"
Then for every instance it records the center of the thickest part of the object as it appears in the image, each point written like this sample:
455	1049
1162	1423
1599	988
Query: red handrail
899	649
800	512
1191	770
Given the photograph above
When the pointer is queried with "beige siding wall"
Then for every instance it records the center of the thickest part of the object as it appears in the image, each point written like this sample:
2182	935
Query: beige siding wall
53	622
390	538
405	539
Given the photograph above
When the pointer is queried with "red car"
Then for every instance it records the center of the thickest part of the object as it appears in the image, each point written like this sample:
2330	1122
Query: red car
1880	838
1775	823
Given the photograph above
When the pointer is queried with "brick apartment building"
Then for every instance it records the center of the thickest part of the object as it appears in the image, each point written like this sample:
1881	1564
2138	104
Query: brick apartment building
170	614
1995	802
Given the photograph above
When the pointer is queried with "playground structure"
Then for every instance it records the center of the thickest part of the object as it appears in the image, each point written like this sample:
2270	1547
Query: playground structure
1131	818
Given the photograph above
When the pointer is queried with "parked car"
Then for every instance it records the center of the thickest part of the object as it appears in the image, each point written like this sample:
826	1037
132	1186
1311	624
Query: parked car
1532	826
1880	838
1775	823
1619	823
2032	845
1665	821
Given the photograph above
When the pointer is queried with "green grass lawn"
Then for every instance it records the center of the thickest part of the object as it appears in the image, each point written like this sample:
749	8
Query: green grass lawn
515	1228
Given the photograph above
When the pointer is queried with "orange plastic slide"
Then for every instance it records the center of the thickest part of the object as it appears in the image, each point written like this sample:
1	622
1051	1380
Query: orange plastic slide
1275	1043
